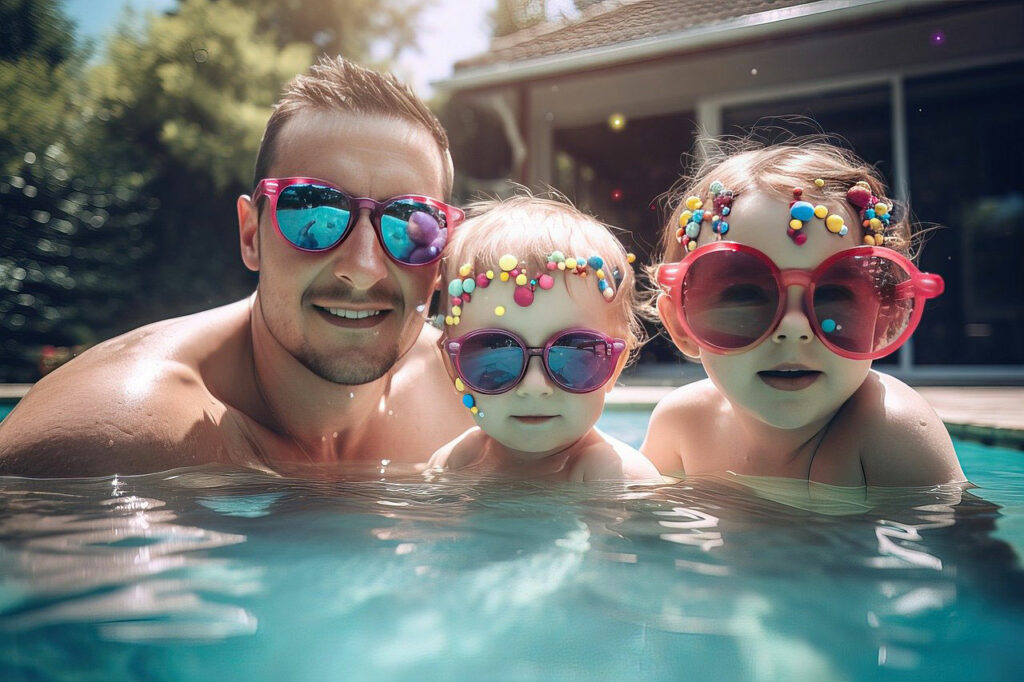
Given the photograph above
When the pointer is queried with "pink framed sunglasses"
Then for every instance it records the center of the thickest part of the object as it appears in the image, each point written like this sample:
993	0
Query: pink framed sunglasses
862	303
315	216
493	361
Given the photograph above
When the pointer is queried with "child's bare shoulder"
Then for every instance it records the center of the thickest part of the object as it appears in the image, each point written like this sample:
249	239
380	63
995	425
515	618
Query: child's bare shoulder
460	452
609	459
685	411
901	441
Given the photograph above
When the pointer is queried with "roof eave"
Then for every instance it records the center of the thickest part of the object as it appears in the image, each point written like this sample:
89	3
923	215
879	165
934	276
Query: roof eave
752	26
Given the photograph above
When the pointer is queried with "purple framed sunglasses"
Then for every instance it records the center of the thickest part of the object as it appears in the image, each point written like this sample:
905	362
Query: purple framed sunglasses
493	361
314	215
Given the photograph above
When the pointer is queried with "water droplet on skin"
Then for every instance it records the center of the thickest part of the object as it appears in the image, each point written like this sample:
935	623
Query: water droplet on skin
351	395
753	72
391	413
420	308
335	434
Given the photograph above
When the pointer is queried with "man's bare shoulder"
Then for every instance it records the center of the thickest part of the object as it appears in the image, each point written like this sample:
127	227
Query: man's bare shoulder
132	404
902	442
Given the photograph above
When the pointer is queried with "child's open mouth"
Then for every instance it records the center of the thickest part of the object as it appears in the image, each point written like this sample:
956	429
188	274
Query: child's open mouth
789	379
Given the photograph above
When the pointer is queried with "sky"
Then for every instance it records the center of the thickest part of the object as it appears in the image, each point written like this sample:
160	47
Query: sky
451	30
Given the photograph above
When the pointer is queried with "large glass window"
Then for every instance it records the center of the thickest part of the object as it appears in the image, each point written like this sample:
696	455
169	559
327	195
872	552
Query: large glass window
967	178
619	170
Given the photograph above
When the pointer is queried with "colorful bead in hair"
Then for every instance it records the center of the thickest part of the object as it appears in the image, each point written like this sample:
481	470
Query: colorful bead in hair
875	215
691	218
801	212
461	288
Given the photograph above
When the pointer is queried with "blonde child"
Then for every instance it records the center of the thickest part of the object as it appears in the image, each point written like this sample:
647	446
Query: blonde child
785	273
539	323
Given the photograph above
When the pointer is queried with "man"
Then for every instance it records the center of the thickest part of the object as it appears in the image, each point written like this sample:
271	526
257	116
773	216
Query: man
329	360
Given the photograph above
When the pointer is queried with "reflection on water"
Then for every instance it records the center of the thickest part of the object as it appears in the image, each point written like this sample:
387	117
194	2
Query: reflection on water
378	573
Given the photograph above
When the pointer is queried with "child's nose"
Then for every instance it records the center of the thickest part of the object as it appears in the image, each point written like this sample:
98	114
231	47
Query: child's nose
794	325
536	381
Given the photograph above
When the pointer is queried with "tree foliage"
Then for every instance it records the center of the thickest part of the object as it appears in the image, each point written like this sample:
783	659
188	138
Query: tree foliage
118	177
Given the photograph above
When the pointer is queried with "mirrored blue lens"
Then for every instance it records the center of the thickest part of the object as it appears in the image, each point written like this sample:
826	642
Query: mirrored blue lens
491	362
313	217
414	232
580	361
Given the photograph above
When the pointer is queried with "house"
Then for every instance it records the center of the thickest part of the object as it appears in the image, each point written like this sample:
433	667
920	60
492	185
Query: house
606	106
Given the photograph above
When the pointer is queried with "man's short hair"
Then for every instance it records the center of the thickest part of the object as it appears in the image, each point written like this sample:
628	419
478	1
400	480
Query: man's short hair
340	85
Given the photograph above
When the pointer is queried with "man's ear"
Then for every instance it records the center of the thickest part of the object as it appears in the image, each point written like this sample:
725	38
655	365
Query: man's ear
249	232
667	313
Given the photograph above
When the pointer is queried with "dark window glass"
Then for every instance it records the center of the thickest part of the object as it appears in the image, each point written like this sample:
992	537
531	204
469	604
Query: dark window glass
967	176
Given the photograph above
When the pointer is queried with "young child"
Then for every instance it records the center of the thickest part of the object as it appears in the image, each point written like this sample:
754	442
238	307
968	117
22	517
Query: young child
785	273
540	321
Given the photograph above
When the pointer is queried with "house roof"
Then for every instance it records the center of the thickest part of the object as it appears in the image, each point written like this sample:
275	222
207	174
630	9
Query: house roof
616	21
614	32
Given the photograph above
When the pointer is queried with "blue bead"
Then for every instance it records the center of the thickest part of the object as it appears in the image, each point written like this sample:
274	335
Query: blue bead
723	228
595	262
869	214
726	210
802	210
828	326
602	285
468	401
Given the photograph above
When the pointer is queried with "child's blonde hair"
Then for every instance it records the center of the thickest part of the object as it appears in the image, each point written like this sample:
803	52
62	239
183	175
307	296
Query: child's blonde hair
531	228
743	164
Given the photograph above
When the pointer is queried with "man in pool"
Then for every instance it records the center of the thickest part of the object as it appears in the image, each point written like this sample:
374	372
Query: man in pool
329	360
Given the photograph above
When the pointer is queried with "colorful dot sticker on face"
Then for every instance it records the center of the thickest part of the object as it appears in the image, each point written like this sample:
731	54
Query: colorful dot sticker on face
829	325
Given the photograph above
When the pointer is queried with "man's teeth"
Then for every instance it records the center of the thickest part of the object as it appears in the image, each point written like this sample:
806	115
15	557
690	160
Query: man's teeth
352	314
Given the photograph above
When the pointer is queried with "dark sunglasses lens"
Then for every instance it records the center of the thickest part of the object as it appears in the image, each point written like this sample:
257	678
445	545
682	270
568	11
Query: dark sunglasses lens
580	361
863	303
729	299
491	362
312	217
414	232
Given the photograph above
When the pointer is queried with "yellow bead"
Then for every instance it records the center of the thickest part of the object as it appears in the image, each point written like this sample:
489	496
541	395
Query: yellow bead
630	257
600	274
499	311
684	218
561	265
508	262
449	320
834	223
474	409
691	246
465	270
881	209
796	224
876	224
570	263
819	183
693	203
456	310
820	212
459	386
521	279
504	277
490	274
456	319
869	240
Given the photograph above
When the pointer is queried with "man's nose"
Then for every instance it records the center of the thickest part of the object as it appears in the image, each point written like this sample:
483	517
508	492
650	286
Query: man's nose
794	325
536	381
360	260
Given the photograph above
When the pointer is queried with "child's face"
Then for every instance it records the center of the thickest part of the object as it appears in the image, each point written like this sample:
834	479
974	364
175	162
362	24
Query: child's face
760	220
537	418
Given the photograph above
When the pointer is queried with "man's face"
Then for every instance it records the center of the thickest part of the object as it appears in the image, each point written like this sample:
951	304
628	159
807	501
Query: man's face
304	297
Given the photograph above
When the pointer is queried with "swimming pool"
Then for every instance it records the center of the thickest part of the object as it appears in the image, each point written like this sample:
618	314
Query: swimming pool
210	573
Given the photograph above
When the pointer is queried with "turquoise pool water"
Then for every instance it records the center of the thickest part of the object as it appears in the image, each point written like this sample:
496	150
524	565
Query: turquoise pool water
206	573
